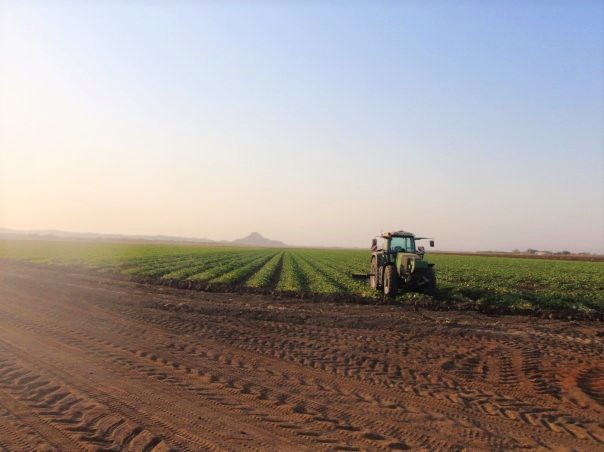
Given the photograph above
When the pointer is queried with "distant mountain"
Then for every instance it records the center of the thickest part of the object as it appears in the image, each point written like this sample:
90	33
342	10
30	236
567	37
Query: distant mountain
256	239
56	234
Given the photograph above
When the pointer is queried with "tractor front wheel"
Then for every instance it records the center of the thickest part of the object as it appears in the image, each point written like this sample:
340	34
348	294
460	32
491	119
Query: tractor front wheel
374	277
390	281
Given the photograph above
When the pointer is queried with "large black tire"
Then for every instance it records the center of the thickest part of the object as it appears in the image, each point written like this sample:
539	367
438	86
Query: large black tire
430	287
374	280
390	281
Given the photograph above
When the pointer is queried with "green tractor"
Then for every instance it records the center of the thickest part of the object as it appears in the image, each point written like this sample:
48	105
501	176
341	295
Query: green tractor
397	263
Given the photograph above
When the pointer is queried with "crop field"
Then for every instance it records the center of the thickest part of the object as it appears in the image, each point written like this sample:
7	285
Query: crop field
483	283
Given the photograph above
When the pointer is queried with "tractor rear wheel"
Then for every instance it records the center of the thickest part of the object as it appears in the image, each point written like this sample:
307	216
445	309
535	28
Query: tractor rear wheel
374	278
390	281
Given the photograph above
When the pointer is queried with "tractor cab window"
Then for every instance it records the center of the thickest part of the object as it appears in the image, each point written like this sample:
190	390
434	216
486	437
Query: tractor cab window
404	244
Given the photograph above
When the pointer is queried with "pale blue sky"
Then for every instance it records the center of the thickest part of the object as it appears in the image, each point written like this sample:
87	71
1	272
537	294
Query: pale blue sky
314	124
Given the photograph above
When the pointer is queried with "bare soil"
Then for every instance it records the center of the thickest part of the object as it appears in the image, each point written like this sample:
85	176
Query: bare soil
92	362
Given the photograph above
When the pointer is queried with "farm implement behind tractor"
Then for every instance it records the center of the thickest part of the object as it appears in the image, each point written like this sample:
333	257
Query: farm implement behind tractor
397	263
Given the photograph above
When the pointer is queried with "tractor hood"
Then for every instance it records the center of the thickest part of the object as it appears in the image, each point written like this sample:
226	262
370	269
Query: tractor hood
410	262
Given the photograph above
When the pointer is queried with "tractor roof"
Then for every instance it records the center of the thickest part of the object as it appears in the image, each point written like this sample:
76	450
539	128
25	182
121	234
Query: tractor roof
398	234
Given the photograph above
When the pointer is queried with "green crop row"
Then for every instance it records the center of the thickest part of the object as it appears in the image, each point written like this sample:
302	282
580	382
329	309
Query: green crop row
200	265
263	277
292	278
242	272
227	265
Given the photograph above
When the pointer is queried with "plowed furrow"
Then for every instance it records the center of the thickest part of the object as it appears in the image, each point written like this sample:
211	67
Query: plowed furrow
79	421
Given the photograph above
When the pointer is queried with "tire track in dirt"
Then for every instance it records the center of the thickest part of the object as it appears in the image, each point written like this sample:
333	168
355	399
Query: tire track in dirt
524	412
16	432
591	382
548	424
174	423
83	422
292	405
208	384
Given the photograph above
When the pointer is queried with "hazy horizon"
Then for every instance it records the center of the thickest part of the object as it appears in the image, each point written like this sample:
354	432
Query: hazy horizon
197	240
317	125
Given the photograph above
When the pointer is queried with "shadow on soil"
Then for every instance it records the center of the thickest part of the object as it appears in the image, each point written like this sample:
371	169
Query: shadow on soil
445	299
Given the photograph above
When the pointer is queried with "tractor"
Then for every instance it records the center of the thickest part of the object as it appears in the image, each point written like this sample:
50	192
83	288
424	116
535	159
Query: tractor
397	263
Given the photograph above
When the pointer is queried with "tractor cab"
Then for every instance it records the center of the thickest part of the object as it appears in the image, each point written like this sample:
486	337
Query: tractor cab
400	243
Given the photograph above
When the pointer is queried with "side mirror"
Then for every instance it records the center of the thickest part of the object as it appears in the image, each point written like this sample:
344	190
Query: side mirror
431	243
421	250
374	245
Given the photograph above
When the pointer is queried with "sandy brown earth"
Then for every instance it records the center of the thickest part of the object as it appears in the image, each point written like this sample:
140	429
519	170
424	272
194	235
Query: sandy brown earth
91	362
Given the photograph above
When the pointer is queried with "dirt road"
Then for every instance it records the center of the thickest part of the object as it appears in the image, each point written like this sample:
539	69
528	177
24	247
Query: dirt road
91	362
